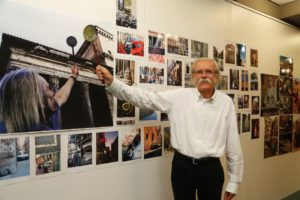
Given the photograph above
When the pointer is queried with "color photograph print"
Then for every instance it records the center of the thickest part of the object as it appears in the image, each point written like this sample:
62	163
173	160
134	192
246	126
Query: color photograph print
238	118
255	105
107	147
199	49
285	95
223	83
296	132
125	71
218	55
230	53
269	95
254	128
271	136
253	58
14	158
285	134
130	44
254	81
244	80
243	101
151	75
126	13
174	73
246	122
125	109
188	79
286	66
296	96
47	154
131	144
80	151
48	60
241	55
157	47
152	142
167	140
148	115
178	45
234	79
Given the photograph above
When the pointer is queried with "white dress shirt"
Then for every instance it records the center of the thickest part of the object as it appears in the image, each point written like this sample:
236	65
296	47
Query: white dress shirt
199	127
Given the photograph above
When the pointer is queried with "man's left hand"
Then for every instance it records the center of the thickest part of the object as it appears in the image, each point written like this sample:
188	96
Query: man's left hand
228	196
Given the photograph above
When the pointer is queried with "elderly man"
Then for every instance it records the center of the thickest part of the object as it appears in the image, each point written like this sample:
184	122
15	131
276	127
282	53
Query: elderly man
203	128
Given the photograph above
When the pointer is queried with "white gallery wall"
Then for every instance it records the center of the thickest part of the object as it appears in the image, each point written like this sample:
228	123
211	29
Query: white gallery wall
213	22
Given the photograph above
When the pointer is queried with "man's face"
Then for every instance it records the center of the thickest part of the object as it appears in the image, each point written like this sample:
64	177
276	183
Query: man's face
204	75
49	95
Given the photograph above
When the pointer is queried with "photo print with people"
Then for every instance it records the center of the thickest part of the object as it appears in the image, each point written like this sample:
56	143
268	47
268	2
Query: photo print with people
152	142
125	70
285	95
80	150
218	56
177	45
199	49
223	83
14	156
44	60
269	95
174	72
271	136
107	147
131	144
230	53
130	44
126	14
188	79
254	81
151	75
255	105
47	154
234	79
253	57
254	129
286	66
244	80
156	49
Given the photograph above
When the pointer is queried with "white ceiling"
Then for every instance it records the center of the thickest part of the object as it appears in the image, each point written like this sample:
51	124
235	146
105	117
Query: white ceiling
281	2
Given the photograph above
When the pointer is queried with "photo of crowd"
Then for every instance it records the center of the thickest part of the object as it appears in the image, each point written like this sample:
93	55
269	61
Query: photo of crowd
126	13
151	75
130	44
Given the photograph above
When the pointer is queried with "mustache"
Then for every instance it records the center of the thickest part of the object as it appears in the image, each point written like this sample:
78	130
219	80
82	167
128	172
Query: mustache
204	80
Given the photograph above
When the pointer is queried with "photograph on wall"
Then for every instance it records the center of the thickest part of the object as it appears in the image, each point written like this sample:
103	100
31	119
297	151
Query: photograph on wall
164	117
80	150
49	61
234	79
125	109
255	129
151	75
255	105
240	101
167	140
107	147
131	144
296	95
285	95
125	71
125	122
246	101
269	95
271	136
152	142
244	80
148	115
218	57
174	73
199	49
286	66
47	154
241	55
130	44
178	45
285	134
156	47
296	132
14	158
238	118
253	58
230	53
246	122
188	79
223	83
126	14
254	81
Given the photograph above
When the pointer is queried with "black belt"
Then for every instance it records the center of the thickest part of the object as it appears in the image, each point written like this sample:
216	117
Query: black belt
196	161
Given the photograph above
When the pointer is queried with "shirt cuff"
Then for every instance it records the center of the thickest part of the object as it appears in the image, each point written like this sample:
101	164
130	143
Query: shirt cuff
232	187
114	85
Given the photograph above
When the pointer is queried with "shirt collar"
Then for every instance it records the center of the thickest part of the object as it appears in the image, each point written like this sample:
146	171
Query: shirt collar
200	97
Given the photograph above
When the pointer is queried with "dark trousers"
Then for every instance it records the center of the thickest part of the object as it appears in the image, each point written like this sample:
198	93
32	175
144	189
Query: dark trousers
205	176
